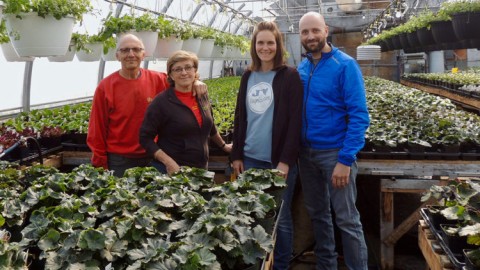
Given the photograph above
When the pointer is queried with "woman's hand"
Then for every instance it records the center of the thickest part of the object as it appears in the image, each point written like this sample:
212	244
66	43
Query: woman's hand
172	167
283	168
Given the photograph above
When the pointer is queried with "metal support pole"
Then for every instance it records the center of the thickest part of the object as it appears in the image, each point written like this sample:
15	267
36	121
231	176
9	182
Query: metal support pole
27	84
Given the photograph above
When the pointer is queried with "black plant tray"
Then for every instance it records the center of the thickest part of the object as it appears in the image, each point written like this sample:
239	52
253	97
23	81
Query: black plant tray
457	260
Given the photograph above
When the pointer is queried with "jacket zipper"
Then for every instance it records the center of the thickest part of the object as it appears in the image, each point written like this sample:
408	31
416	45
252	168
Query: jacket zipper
306	98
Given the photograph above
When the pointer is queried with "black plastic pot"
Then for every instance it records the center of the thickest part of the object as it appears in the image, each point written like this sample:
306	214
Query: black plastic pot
413	39
442	32
425	37
465	25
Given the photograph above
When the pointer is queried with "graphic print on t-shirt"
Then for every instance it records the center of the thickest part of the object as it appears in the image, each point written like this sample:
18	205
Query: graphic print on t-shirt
260	97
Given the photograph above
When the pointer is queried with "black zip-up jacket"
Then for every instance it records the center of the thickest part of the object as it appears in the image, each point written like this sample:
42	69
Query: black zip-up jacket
287	117
179	134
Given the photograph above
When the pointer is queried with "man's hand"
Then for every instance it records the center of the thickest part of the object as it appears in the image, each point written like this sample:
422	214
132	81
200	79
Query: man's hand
340	175
199	88
237	166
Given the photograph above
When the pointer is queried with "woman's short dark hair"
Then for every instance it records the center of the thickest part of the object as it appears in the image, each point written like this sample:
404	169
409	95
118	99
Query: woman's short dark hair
180	56
279	59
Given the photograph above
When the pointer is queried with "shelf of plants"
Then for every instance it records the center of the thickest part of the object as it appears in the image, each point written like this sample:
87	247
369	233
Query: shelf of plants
465	84
455	222
145	220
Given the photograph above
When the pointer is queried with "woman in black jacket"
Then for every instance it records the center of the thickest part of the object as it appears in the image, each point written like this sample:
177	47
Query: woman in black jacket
267	123
182	122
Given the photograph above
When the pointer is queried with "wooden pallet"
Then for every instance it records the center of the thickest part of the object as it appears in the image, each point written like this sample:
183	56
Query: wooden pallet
431	249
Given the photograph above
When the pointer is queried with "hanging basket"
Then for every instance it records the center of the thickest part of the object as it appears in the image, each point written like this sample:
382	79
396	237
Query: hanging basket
206	48
110	55
219	52
64	58
94	55
12	56
167	46
192	45
465	25
149	40
33	35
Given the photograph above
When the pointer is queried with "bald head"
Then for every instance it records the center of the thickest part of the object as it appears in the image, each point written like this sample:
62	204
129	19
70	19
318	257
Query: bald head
129	38
314	33
312	17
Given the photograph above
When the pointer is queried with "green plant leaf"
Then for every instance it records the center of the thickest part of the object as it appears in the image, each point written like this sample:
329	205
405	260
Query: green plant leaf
91	240
49	240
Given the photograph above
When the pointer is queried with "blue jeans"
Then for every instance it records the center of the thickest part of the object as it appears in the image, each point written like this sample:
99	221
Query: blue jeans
316	169
284	240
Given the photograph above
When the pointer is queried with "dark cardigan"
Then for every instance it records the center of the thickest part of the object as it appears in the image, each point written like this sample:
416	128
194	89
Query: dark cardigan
179	134
287	117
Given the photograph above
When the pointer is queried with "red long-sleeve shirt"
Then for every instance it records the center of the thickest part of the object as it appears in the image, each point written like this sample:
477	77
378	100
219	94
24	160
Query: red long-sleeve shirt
118	109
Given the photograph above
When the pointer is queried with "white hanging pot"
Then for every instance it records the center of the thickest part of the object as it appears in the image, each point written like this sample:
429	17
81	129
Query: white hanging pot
206	48
33	35
64	58
12	56
149	40
219	52
192	45
94	55
110	55
167	46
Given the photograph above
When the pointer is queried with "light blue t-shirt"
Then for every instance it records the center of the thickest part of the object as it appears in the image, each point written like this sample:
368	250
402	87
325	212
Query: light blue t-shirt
260	104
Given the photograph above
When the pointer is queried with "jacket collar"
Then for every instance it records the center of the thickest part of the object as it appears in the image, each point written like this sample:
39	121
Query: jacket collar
324	55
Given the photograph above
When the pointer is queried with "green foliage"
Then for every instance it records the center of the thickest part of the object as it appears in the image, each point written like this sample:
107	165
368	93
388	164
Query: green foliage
166	28
4	38
56	8
117	25
223	95
405	115
81	40
143	220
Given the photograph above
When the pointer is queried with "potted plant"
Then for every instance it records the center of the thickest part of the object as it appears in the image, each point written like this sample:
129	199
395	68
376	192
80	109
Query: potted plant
42	28
7	48
472	258
168	38
207	35
465	20
191	38
89	47
144	27
109	49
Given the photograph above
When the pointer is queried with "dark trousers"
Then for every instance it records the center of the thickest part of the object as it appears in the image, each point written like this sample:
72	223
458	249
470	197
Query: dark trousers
119	164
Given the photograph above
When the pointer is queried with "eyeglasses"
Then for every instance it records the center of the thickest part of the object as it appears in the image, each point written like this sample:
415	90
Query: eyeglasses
179	70
127	50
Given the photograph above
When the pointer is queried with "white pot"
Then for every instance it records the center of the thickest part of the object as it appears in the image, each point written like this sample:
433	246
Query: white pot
167	46
192	45
110	56
219	52
206	48
94	55
149	40
64	58
36	36
12	56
